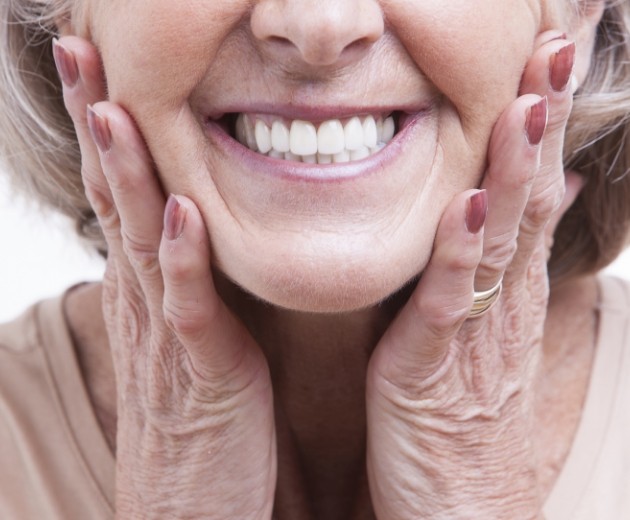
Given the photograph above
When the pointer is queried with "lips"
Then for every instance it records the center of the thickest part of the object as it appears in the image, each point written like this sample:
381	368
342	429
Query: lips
328	142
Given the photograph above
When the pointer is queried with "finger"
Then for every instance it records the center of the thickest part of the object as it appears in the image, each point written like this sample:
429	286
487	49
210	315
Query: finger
513	160
549	73
80	70
218	345
136	193
417	342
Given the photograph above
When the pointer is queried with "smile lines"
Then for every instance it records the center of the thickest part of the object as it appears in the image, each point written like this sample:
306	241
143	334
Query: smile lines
332	141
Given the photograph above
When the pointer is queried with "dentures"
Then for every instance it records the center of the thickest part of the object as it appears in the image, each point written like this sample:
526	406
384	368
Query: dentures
328	142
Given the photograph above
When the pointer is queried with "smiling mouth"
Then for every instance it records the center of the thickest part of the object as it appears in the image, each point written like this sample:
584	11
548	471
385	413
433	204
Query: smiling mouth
333	141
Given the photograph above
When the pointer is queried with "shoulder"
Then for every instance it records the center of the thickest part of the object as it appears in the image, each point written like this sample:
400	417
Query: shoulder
54	461
23	344
21	334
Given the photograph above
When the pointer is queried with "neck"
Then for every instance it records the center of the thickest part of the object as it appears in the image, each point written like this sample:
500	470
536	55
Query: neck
318	365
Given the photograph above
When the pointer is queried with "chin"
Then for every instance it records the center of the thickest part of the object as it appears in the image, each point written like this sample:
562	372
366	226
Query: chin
334	284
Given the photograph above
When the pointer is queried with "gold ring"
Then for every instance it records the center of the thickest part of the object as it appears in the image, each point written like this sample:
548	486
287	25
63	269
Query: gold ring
484	300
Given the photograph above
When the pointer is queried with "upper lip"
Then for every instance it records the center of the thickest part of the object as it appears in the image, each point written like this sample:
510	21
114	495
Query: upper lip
315	113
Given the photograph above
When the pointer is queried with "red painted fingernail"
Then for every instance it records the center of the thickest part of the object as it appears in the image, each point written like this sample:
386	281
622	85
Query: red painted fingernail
99	128
561	67
66	64
174	218
536	122
476	211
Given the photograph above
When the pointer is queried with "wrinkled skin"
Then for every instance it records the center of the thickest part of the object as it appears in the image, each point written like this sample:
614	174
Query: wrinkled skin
449	401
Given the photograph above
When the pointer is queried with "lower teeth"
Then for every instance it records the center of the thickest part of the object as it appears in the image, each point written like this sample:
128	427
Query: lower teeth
342	157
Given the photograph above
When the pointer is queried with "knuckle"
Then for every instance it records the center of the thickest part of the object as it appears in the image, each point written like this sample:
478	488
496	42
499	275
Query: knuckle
110	289
110	223
75	105
177	268
133	320
441	318
118	181
142	256
558	115
91	174
498	252
464	262
543	205
183	321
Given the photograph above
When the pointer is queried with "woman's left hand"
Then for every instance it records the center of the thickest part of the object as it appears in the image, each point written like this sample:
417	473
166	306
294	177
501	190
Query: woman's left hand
450	399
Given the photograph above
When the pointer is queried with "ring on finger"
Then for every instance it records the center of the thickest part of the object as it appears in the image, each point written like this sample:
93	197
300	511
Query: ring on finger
483	301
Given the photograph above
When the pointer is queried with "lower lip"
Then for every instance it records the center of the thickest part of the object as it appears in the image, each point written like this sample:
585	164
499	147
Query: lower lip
290	170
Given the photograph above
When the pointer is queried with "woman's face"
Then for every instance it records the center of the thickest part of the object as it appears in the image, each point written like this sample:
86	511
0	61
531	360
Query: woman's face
317	236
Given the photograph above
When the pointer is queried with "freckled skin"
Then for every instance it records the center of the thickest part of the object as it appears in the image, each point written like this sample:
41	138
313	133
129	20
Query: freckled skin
334	247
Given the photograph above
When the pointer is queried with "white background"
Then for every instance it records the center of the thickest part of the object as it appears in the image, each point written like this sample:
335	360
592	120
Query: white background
40	255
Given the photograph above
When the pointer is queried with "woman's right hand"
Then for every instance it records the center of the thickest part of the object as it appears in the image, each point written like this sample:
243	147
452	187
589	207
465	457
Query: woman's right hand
196	434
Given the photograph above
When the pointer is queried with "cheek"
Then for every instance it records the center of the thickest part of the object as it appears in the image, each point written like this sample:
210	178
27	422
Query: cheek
156	51
473	52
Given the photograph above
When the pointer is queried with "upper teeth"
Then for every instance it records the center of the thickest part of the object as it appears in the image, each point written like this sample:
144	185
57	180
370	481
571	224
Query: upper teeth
330	142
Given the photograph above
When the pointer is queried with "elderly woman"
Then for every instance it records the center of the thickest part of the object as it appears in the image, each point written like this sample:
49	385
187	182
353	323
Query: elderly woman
331	228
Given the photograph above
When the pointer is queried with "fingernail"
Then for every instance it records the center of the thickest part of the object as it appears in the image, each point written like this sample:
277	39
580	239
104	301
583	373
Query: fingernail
561	67
174	218
99	128
536	122
66	64
476	211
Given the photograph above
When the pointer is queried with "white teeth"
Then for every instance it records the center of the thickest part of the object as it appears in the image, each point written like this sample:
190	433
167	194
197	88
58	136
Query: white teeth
323	158
369	132
379	130
341	157
250	135
263	137
280	137
389	129
361	153
330	142
330	137
303	138
354	134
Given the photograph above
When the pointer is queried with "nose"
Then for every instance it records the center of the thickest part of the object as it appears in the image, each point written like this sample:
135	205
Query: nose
319	32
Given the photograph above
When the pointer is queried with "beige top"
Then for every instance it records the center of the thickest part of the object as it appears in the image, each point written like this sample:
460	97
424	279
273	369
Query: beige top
55	462
594	483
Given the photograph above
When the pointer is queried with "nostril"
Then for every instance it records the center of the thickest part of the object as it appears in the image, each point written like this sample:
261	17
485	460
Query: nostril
321	32
279	40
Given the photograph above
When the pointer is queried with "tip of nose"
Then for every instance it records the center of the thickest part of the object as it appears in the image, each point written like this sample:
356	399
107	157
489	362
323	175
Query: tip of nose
323	37
322	53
